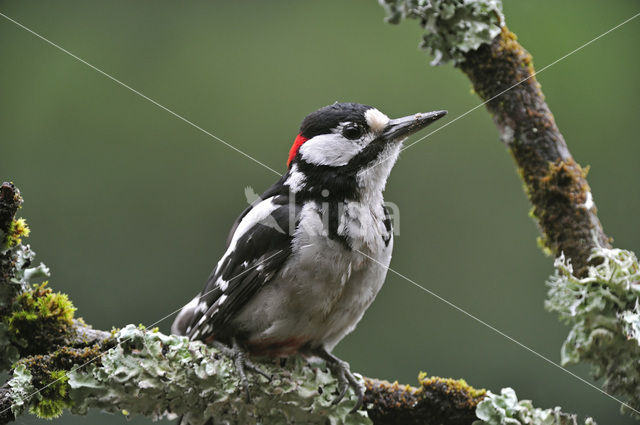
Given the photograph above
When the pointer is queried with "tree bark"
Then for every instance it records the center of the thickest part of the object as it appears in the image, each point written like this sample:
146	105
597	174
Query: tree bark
502	75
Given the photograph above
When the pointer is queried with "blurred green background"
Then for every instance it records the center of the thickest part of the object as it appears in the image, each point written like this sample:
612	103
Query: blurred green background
130	206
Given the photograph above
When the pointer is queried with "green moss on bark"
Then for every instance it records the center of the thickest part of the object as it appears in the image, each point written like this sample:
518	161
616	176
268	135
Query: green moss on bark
38	321
54	396
18	229
49	373
435	400
502	74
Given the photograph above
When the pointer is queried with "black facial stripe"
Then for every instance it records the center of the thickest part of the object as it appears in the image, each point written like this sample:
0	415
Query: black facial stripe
339	181
335	212
370	153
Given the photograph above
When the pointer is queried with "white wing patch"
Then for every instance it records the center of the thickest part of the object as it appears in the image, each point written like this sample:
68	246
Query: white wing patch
258	214
223	284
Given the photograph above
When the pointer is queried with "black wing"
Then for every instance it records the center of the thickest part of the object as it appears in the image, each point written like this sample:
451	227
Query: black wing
276	189
255	253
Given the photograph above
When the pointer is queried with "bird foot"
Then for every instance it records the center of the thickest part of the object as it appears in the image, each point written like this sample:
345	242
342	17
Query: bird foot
241	363
346	379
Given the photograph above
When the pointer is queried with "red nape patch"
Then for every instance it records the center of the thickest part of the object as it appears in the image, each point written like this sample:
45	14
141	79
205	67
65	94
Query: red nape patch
300	139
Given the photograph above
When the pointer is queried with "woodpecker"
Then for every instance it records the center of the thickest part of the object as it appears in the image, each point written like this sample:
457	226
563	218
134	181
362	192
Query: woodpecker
304	262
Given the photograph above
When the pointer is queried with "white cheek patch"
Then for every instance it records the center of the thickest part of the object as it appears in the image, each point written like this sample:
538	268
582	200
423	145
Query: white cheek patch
376	120
329	149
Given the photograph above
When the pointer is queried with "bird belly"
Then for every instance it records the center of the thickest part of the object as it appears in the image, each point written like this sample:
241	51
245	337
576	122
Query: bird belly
318	297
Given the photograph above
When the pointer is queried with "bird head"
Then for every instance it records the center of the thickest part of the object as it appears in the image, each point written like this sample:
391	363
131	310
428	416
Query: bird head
348	148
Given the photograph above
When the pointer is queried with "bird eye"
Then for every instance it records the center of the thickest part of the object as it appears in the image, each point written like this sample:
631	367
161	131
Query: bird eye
352	131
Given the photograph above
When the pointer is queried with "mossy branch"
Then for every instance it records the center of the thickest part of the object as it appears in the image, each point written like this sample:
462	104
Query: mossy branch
595	288
502	74
60	363
473	35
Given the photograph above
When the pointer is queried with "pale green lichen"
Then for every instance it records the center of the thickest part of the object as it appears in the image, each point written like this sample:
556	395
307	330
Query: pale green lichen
21	257
159	376
602	309
22	390
506	409
453	27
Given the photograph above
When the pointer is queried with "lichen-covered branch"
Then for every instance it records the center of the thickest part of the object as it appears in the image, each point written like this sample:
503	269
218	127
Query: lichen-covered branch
33	319
472	35
595	288
155	375
60	363
603	309
555	183
11	259
143	372
506	409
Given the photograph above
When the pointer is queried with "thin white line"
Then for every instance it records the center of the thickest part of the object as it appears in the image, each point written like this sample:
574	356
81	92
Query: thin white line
450	304
148	326
175	114
515	85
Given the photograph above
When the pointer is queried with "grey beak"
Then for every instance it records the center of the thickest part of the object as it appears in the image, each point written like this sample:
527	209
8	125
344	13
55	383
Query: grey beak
401	128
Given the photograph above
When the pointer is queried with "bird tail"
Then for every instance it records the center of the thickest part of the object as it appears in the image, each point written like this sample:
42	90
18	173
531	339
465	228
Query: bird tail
183	320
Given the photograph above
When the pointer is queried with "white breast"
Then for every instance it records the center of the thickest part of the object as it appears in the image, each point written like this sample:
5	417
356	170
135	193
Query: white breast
324	289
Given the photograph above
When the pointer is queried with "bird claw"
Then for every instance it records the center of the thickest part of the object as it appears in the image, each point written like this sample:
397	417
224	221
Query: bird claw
242	364
346	379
